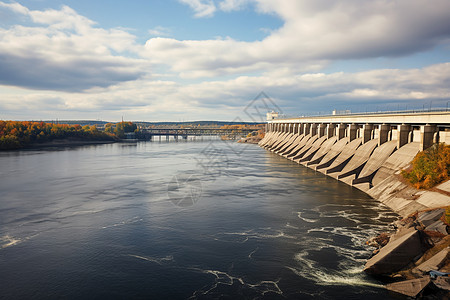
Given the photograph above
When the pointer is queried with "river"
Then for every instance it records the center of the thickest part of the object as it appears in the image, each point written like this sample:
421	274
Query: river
180	220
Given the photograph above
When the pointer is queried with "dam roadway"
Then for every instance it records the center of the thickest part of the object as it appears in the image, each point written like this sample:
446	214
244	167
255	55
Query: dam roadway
366	151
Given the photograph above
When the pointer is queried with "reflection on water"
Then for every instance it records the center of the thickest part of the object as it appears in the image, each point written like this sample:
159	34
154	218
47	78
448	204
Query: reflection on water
107	222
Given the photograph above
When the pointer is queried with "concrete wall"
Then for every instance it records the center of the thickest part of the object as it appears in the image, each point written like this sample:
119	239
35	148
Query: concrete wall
358	154
368	156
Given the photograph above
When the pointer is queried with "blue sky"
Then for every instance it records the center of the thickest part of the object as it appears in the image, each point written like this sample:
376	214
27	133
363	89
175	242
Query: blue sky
182	60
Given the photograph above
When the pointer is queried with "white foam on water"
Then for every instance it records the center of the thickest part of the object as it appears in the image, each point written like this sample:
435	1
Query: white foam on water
272	234
126	222
8	241
253	252
299	215
157	260
267	286
340	213
288	225
309	269
324	278
223	278
220	278
349	268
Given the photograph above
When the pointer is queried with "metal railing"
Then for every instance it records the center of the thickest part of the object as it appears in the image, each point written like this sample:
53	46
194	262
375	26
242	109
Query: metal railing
392	112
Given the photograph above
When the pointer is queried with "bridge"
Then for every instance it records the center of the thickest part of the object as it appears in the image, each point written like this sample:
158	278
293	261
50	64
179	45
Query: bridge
149	133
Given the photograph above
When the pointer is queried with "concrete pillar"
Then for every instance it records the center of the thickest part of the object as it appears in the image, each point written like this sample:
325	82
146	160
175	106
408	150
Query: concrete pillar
341	131
403	134
321	130
313	130
436	136
426	136
330	130
307	128
367	132
383	133
301	128
351	132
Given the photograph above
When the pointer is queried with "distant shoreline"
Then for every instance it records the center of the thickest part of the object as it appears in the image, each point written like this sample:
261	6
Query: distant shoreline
65	143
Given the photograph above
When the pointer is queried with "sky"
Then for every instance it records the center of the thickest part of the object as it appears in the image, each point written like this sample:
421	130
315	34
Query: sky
227	60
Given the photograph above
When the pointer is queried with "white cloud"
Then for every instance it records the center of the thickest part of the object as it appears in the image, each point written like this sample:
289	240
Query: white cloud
64	51
202	8
74	69
231	5
313	31
149	99
159	31
16	7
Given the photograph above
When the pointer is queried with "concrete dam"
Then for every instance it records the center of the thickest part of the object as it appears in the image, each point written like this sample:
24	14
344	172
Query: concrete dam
366	151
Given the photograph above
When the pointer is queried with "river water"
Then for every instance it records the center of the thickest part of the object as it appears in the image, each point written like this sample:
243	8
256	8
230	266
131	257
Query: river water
179	220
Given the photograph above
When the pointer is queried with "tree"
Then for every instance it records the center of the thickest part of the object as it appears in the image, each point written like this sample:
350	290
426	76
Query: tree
429	167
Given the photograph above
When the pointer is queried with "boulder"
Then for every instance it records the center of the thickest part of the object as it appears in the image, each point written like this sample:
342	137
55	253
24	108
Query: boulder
429	217
395	255
437	226
442	283
435	262
411	287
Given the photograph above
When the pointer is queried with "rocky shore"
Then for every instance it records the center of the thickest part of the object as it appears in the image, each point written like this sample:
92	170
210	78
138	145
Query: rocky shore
413	257
250	140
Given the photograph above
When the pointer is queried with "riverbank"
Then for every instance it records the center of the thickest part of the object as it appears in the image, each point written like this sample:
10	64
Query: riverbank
409	256
415	258
250	140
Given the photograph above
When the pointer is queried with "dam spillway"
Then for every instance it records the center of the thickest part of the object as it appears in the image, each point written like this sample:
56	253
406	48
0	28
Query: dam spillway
366	151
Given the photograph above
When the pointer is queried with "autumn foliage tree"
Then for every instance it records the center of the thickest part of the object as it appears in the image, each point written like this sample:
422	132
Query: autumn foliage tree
124	127
18	134
429	167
